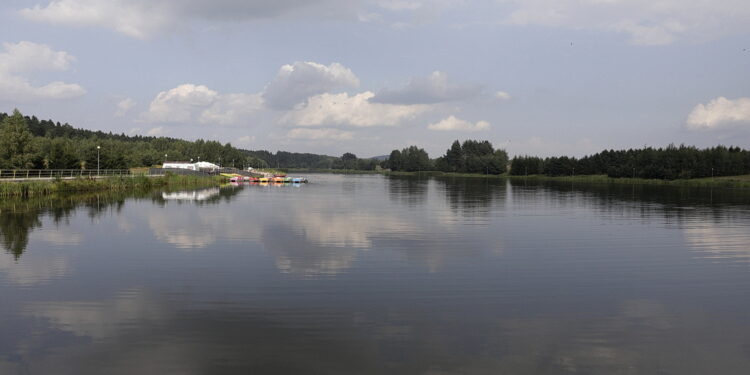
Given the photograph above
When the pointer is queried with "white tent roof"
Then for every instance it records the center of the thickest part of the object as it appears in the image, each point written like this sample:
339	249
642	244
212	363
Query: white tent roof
205	164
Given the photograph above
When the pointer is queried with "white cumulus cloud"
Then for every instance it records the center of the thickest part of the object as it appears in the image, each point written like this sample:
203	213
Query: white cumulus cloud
647	22
124	106
190	102
356	110
718	113
24	57
502	95
296	82
320	134
456	124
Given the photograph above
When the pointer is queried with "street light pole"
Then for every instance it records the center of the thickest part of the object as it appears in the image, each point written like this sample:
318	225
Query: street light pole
165	158
97	159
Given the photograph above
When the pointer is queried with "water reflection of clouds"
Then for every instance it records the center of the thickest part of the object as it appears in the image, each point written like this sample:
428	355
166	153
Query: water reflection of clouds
38	268
34	269
138	332
318	240
719	241
101	319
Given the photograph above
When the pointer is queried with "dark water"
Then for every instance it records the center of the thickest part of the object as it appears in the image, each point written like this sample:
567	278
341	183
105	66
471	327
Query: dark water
371	275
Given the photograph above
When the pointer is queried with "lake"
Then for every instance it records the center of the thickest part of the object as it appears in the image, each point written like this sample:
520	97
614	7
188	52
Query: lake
367	274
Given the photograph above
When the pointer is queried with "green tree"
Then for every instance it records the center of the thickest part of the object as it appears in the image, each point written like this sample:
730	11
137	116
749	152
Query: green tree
415	159
16	146
454	157
395	162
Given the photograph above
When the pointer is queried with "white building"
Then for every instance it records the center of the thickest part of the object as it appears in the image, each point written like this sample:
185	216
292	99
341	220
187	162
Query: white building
204	165
199	166
180	165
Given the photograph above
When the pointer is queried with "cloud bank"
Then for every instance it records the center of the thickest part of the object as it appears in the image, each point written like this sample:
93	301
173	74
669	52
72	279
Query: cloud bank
646	22
296	82
189	102
435	88
25	57
145	18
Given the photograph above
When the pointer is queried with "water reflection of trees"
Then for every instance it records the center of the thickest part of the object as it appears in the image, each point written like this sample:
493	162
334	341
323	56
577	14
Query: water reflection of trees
671	202
18	218
472	195
408	190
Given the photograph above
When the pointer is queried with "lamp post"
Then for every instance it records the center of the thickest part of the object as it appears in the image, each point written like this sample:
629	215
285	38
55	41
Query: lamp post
165	158
97	159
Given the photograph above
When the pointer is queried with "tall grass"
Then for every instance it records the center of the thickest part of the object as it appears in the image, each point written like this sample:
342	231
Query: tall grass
40	188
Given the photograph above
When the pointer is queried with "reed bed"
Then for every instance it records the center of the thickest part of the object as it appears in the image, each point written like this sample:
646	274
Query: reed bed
41	188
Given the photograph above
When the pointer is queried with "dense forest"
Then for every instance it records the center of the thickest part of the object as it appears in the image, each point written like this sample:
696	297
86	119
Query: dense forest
27	142
672	162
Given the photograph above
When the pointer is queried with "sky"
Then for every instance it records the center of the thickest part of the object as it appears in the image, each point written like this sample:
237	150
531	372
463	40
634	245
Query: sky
536	77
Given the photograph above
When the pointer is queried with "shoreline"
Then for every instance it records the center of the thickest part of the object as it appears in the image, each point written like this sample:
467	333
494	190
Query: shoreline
741	181
29	189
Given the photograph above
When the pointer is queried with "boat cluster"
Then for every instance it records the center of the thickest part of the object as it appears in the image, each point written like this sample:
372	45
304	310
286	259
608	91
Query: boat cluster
276	179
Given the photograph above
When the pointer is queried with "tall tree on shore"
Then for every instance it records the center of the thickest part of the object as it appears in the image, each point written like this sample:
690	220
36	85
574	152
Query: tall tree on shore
394	160
454	157
16	142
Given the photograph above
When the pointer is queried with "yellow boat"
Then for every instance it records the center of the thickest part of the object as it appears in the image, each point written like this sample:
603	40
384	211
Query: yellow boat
263	179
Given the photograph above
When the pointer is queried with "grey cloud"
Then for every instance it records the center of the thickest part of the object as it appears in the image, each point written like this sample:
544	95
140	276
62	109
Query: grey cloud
144	18
428	90
296	82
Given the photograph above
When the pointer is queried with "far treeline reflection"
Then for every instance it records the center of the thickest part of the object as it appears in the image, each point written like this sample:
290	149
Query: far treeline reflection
20	217
30	143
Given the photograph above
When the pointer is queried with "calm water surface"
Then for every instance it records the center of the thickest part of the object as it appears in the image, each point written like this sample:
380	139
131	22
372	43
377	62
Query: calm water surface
377	275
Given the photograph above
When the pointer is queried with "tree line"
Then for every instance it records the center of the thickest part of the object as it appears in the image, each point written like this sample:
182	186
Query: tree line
468	157
668	163
30	143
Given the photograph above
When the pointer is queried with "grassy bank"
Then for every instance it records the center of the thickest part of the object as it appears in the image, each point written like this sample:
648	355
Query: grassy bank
41	188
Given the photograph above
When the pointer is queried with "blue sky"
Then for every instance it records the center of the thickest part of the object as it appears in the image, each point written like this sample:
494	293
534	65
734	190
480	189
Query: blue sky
542	77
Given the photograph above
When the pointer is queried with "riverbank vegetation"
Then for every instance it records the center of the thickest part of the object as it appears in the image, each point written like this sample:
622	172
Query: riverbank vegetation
115	184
